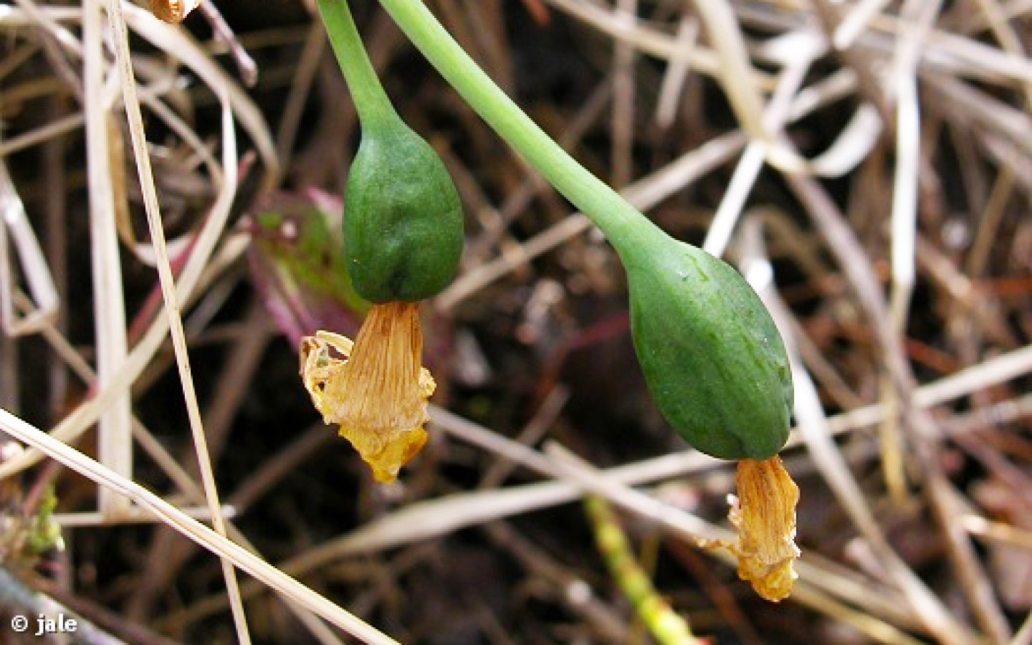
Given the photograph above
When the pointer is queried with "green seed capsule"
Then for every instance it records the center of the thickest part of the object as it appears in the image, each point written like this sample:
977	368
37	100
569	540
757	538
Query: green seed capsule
712	357
402	217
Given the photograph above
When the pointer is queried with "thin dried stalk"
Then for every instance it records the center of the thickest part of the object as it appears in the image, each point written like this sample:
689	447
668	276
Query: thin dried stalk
114	430
192	529
621	123
14	222
676	73
644	39
832	466
168	288
169	39
719	232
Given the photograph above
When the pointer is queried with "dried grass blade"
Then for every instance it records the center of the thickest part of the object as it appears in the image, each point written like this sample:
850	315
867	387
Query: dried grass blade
736	75
193	529
167	38
719	233
829	461
37	273
168	290
114	430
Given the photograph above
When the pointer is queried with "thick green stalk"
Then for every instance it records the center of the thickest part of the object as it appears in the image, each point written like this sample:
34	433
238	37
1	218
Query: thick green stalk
628	230
374	107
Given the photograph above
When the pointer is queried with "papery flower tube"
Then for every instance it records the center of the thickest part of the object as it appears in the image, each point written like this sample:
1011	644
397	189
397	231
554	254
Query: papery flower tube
765	516
379	394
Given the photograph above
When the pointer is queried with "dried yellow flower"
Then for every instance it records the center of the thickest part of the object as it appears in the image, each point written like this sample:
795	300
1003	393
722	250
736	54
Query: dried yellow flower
765	517
173	11
378	394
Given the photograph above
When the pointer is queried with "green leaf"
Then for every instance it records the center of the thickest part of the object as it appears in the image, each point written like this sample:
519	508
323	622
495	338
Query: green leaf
297	262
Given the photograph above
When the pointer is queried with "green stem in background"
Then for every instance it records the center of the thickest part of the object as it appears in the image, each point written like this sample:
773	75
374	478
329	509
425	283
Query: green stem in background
630	232
666	625
374	107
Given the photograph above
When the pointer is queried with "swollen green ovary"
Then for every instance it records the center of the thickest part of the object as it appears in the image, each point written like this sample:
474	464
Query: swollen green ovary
402	220
711	355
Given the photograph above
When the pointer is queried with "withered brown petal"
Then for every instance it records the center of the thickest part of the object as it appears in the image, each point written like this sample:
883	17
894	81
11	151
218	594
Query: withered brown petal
765	517
379	395
173	11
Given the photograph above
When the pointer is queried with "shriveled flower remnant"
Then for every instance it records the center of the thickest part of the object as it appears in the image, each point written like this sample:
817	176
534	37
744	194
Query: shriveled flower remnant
173	11
764	515
378	392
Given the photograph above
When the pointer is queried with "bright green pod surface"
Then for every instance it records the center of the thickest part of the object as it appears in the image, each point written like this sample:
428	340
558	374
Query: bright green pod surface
402	218
712	357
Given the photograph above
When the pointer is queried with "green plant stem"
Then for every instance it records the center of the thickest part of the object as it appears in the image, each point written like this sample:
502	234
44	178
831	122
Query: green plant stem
630	232
374	106
662	621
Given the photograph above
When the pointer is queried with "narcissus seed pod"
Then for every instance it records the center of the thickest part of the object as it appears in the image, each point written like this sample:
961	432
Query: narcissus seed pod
402	214
712	357
402	217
